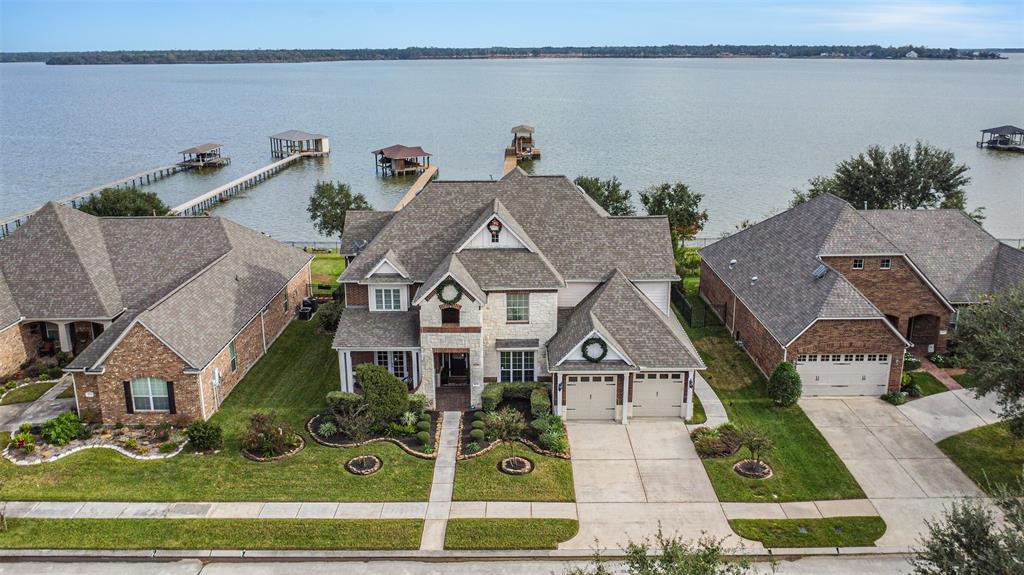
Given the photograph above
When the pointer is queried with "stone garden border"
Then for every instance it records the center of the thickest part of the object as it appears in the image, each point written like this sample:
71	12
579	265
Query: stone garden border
258	459
153	454
379	464
405	448
540	450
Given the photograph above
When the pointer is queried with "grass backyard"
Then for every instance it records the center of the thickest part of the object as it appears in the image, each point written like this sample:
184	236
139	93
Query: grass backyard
828	532
989	455
290	381
478	479
26	393
212	534
508	533
325	269
965	379
927	383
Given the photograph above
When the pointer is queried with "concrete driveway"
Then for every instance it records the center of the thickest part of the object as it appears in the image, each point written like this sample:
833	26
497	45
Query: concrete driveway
906	477
630	478
950	413
38	411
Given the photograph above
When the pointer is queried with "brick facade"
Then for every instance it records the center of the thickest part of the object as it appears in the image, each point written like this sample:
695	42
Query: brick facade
853	336
357	295
13	349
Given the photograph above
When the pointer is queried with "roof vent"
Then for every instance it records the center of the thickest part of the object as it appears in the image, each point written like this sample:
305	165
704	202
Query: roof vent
820	271
732	263
360	245
753	280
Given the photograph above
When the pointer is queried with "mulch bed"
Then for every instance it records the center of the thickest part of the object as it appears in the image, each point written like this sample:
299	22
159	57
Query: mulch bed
530	436
752	469
259	459
364	465
409	442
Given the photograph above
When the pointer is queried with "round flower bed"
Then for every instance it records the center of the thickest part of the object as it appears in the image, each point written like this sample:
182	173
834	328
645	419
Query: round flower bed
515	465
364	465
752	469
297	448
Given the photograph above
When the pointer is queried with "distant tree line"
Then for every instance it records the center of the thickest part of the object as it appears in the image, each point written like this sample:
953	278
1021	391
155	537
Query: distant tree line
425	53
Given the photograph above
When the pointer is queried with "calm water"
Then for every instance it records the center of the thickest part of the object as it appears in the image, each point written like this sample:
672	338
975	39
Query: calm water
742	132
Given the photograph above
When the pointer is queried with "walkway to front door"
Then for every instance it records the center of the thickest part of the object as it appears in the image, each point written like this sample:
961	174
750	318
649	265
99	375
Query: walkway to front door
451	397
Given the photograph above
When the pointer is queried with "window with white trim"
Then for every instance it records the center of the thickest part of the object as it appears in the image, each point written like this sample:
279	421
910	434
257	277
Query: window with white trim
518	366
517	307
393	361
858	357
387	299
150	394
812	357
233	356
858	263
885	263
848	357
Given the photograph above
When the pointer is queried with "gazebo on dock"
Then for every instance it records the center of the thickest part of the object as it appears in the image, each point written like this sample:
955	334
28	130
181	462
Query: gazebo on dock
1003	138
202	156
399	160
298	142
522	143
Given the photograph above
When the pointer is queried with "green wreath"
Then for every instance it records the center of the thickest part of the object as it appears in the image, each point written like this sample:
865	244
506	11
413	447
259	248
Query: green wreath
600	343
446	283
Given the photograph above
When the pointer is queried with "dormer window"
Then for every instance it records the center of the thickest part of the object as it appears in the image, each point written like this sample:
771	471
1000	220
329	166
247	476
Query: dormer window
494	226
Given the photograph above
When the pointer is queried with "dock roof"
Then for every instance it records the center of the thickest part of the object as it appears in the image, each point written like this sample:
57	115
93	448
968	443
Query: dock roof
400	152
297	136
1006	130
523	129
202	149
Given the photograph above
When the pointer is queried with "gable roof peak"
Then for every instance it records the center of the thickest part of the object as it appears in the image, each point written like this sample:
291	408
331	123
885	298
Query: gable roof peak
514	174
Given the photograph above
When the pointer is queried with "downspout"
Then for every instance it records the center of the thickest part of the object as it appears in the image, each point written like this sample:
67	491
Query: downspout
202	399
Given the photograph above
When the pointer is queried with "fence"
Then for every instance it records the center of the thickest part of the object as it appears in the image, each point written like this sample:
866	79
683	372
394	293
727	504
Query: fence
696	313
314	246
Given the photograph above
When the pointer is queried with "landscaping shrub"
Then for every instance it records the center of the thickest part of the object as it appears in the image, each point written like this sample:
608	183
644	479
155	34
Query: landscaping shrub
554	440
400	429
491	396
730	434
327	429
784	386
205	436
62	429
477	424
540	402
716	442
25	440
267	436
423	426
494	393
756	442
168	447
411	419
343	401
911	389
329	313
480	415
895	397
477	434
351	415
549	421
423	437
472	447
911	363
387	397
131	444
417	403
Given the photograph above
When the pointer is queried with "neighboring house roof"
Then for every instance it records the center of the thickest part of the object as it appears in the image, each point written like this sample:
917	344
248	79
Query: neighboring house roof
1009	268
628	320
361	226
364	329
193	282
579	241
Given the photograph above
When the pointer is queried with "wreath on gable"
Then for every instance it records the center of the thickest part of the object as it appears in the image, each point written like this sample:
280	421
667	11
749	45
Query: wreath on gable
449	283
592	342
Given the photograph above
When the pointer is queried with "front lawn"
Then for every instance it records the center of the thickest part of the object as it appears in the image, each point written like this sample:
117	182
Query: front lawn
699	416
989	455
212	534
965	379
508	533
828	532
927	383
325	270
290	381
478	479
26	393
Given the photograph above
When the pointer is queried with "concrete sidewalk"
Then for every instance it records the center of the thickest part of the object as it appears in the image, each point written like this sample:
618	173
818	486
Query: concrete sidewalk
435	523
713	407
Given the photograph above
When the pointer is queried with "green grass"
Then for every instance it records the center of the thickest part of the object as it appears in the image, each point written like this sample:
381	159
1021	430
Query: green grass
68	393
478	479
212	534
927	383
508	533
989	455
965	379
290	381
856	531
330	264
699	416
26	393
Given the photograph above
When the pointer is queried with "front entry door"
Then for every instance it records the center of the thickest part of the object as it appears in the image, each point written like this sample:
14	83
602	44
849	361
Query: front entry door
453	368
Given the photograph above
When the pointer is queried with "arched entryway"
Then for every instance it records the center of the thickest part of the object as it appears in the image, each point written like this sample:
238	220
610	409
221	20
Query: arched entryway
923	332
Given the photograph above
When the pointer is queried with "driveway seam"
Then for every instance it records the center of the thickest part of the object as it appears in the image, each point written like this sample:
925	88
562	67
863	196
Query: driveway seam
636	464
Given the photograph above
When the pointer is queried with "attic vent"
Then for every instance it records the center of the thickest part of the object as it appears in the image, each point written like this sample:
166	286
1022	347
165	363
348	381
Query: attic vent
360	245
753	280
732	263
820	271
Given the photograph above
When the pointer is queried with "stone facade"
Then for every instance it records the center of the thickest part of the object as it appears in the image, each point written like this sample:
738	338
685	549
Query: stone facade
13	349
542	326
853	336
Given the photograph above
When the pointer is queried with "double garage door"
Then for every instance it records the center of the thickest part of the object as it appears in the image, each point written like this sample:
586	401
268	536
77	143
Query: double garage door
844	374
593	396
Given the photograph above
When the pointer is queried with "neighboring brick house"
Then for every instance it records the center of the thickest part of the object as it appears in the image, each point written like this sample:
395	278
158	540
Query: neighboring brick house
843	293
162	315
485	281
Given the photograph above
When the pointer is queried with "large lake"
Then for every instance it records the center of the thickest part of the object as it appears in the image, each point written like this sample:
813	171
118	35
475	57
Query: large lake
743	132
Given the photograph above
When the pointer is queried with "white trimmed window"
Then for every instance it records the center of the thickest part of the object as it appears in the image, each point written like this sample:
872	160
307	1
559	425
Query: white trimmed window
387	299
848	357
150	394
812	357
517	366
233	356
393	361
517	307
885	263
872	357
858	264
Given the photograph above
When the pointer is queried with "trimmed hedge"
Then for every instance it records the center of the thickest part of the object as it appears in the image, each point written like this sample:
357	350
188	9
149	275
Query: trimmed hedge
540	402
494	393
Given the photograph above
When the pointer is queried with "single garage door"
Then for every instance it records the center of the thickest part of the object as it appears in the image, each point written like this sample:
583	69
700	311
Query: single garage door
844	374
590	396
658	395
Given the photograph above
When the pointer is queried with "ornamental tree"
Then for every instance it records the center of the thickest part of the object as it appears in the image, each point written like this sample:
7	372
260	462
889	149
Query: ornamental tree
507	424
608	194
329	204
685	218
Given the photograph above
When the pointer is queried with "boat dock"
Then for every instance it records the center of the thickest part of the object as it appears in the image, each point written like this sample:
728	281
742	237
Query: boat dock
1007	138
200	204
522	148
421	182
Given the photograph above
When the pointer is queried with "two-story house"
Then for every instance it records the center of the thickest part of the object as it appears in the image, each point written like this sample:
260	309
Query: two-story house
843	293
519	279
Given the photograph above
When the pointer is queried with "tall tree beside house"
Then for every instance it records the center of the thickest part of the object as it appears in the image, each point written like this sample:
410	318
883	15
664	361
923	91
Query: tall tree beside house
114	202
990	340
328	204
608	194
682	206
901	178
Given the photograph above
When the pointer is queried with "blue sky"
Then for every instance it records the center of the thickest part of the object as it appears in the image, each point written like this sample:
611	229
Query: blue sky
45	25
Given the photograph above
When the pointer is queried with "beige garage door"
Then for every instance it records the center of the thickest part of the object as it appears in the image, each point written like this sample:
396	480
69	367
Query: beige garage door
844	374
590	397
658	395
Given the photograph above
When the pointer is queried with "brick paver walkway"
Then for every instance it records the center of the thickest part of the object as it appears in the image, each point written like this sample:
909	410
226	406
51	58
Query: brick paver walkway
939	373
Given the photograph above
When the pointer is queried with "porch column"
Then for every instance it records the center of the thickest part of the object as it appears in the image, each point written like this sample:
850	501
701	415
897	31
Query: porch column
558	394
688	395
415	369
345	366
625	398
64	332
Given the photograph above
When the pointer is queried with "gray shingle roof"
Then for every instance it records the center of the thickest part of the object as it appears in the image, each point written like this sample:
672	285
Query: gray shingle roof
509	269
361	226
392	258
580	242
627	318
297	136
452	266
9	313
364	329
1009	268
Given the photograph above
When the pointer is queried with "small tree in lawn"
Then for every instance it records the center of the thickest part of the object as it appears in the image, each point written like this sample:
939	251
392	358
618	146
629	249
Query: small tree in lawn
784	386
756	442
507	424
685	218
328	205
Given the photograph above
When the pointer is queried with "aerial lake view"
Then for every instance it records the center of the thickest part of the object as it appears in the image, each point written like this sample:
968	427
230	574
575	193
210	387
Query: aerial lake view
743	132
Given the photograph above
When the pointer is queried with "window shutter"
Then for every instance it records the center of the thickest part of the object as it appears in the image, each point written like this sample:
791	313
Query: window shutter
129	405
170	397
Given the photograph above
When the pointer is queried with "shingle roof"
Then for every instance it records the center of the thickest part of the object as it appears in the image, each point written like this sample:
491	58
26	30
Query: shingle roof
452	266
1009	268
201	149
516	343
509	269
580	242
398	151
628	319
361	226
364	329
1006	130
9	313
297	136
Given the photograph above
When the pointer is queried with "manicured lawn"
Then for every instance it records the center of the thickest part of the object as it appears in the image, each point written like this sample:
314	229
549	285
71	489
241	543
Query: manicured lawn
68	393
927	383
508	533
478	479
989	455
854	531
26	393
290	381
699	416
965	379
212	534
331	265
